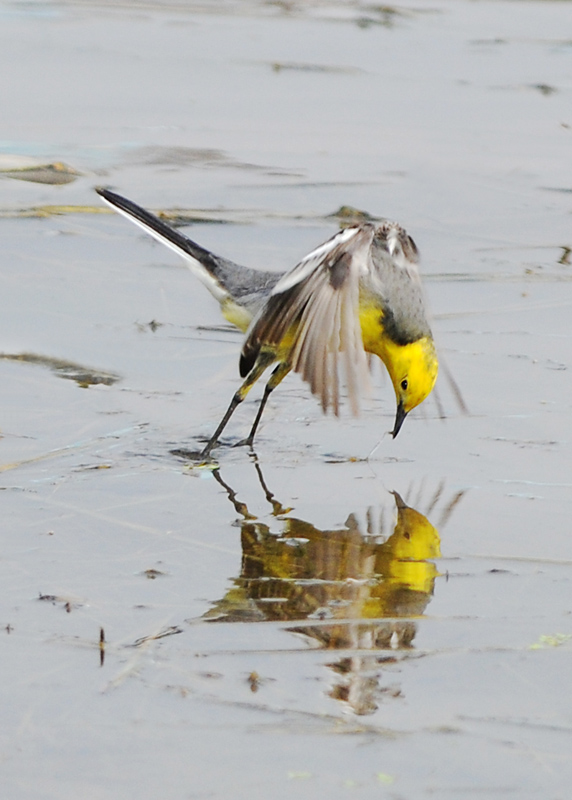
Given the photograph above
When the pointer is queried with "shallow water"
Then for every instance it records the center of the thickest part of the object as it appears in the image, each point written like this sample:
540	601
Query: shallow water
251	612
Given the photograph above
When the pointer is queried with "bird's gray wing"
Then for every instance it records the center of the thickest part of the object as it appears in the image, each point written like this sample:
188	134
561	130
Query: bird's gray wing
312	318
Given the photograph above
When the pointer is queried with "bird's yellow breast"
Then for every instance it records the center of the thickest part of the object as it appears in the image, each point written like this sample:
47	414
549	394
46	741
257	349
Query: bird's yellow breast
372	330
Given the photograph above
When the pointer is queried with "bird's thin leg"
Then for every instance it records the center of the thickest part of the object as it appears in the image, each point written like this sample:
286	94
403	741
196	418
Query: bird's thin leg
277	376
236	400
277	507
240	507
262	362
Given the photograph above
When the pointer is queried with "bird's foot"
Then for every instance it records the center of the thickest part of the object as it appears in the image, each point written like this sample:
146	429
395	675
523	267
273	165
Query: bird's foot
198	456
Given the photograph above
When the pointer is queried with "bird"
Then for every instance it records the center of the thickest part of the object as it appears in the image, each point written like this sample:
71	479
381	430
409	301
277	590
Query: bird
356	294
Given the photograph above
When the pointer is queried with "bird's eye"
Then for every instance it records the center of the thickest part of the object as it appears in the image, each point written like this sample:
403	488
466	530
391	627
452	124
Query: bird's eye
404	384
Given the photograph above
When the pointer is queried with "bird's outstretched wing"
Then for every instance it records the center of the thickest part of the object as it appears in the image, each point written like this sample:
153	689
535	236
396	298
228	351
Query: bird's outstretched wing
311	318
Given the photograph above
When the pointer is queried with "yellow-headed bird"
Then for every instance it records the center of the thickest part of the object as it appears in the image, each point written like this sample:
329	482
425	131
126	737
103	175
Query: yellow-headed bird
358	292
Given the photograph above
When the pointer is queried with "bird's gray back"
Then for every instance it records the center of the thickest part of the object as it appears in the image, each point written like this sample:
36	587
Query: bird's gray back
394	283
249	287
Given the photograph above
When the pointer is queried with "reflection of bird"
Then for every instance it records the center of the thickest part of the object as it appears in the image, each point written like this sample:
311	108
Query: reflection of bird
357	590
345	574
358	292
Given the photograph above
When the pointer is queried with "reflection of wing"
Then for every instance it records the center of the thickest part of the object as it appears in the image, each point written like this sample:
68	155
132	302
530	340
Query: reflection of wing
312	318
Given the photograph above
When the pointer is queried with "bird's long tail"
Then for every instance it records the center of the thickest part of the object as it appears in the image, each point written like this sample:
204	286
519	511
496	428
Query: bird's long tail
208	268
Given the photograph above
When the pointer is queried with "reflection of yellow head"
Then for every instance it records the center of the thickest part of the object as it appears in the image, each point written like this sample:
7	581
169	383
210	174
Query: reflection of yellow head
403	558
413	538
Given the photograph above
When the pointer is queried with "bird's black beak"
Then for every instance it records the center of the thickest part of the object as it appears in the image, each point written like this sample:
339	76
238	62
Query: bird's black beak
399	419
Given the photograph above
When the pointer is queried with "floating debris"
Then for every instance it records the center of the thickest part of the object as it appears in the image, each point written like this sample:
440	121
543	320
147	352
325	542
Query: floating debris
67	604
544	88
83	376
299	776
279	66
47	211
25	168
88	468
180	217
170	631
253	681
386	16
152	574
152	326
553	640
348	215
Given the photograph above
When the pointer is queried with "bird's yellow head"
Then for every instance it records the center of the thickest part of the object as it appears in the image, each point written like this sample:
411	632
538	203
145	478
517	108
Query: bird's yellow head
413	370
